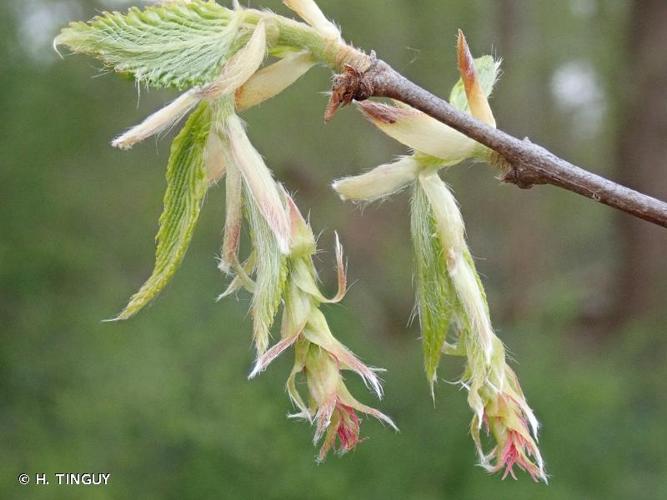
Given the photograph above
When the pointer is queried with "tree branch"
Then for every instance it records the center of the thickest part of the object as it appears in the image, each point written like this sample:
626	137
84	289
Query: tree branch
523	163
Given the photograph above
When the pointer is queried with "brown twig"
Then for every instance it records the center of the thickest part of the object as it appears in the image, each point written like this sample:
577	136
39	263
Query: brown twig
523	163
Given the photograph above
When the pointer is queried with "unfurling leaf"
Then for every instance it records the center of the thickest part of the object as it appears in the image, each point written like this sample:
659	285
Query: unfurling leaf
177	44
262	188
436	297
214	54
187	184
450	229
270	277
234	74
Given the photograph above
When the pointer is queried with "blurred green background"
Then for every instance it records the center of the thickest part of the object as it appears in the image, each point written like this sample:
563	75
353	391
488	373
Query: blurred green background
162	401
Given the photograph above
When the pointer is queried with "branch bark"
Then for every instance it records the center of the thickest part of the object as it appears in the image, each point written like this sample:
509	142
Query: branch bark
523	163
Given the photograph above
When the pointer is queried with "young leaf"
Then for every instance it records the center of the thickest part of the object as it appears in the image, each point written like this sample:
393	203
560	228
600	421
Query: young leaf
436	297
262	188
187	184
271	273
451	232
235	73
177	44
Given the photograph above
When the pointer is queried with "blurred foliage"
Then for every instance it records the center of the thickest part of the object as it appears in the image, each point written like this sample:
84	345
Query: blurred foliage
162	401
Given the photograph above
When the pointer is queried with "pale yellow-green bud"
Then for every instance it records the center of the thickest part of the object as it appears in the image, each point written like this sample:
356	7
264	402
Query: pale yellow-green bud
309	11
302	240
160	121
216	158
273	79
380	182
419	131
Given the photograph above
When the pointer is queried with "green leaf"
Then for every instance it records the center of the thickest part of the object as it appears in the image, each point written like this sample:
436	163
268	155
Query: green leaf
488	71
271	274
173	45
187	184
436	297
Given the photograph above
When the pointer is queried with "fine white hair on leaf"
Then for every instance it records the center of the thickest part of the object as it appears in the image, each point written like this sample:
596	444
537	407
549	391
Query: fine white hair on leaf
445	211
173	45
186	189
472	300
323	417
270	275
451	230
435	295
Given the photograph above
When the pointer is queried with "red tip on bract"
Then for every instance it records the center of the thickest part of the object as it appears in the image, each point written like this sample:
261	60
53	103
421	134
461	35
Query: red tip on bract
508	423
348	428
515	452
344	426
